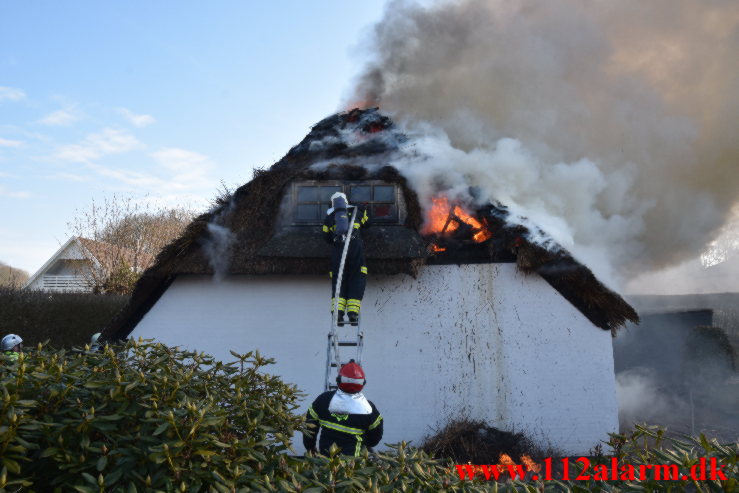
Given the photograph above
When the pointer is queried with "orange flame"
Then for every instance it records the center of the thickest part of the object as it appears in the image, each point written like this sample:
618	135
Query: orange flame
505	459
530	464
439	221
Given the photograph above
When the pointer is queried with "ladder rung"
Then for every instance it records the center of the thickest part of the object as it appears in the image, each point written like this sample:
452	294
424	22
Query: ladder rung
348	343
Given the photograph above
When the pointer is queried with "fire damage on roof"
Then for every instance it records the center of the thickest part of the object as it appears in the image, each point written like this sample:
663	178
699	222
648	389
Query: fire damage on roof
348	150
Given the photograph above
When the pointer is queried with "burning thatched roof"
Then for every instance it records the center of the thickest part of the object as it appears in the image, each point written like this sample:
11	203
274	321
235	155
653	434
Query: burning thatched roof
354	146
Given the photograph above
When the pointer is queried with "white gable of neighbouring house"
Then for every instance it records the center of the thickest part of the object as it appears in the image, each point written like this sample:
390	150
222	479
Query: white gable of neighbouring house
481	341
67	270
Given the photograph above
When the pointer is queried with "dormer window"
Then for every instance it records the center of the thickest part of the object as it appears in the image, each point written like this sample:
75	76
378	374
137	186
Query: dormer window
381	200
311	200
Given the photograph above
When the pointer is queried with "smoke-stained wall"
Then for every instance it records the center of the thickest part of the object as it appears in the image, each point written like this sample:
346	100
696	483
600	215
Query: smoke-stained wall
480	341
612	125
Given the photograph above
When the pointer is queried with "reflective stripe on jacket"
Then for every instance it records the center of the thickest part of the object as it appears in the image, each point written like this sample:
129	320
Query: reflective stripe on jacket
12	355
348	431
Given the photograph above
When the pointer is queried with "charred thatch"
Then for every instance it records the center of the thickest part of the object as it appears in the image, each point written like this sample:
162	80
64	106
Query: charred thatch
470	441
353	147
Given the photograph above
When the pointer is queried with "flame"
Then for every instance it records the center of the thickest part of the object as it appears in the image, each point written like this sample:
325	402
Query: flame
375	127
505	459
439	221
436	216
530	464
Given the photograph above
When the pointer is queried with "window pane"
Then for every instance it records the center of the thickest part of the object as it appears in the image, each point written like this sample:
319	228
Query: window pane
360	194
383	211
308	212
327	192
384	193
307	194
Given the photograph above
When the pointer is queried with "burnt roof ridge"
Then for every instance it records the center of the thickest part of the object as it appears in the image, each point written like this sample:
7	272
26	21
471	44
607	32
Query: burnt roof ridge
353	133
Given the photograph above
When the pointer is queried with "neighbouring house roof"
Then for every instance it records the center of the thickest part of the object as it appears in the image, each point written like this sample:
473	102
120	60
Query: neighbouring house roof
98	253
49	262
353	146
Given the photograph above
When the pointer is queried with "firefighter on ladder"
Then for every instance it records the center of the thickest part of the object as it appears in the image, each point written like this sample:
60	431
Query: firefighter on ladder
344	416
354	279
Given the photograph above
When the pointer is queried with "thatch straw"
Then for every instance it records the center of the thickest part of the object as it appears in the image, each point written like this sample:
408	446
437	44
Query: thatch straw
475	442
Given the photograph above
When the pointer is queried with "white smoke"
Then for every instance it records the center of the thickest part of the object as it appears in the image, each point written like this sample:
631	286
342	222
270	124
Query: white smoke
218	249
641	399
508	172
612	125
218	245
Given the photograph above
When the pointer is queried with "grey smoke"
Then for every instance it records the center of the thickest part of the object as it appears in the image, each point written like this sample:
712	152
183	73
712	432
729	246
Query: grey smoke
675	372
613	125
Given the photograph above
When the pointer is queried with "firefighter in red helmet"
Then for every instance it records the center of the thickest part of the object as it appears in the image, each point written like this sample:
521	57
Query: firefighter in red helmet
344	416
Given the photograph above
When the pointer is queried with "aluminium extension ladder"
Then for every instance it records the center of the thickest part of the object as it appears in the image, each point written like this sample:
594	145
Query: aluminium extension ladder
339	338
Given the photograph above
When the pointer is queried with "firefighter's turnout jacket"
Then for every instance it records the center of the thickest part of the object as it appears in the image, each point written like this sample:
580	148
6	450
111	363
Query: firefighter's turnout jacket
350	432
12	355
354	279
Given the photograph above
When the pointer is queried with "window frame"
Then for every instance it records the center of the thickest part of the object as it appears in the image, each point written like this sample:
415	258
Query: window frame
346	188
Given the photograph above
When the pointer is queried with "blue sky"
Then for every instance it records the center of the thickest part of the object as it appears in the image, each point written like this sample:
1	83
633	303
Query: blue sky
161	99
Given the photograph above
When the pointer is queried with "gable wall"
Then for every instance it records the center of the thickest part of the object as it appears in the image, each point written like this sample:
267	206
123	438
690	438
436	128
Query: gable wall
483	341
64	263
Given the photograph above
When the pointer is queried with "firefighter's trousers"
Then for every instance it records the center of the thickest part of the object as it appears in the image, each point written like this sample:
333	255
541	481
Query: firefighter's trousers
354	279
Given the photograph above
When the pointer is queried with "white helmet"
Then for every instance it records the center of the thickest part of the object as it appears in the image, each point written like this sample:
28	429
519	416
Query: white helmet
10	341
338	195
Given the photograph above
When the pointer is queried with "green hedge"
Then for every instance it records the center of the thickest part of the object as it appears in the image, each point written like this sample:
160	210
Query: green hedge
64	319
141	417
145	417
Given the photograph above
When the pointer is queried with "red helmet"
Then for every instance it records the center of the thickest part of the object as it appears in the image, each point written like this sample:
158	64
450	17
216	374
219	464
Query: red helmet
351	378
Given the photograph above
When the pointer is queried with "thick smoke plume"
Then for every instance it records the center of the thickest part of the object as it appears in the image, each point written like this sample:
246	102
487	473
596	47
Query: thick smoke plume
613	125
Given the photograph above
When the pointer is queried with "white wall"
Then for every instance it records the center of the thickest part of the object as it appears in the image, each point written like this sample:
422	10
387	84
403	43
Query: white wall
480	340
